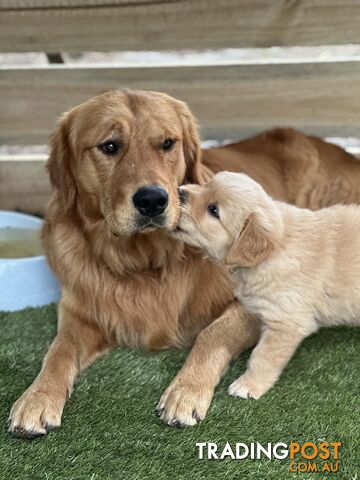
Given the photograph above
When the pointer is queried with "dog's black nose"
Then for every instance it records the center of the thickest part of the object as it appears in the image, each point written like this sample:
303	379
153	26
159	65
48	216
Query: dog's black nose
151	201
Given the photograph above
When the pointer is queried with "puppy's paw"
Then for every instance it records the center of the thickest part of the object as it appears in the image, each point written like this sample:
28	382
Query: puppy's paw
184	403
245	387
35	413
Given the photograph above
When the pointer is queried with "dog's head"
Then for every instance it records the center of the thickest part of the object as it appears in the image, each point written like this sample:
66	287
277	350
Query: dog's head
122	155
231	218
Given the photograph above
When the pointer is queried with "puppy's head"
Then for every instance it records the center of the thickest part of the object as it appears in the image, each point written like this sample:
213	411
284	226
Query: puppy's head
121	157
231	218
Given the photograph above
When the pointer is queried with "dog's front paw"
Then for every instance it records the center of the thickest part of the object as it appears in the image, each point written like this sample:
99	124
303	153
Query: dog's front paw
35	413
246	387
184	403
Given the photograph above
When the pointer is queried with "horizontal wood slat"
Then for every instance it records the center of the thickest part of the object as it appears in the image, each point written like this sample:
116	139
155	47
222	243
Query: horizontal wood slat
24	185
92	25
56	4
230	101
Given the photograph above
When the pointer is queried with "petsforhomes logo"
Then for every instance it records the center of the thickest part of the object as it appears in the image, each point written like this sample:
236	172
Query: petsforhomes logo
303	457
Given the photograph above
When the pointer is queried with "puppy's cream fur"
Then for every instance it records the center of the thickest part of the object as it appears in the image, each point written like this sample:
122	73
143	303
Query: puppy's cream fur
297	270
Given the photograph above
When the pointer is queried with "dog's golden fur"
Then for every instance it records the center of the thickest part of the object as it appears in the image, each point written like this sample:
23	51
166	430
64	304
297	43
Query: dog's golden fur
124	282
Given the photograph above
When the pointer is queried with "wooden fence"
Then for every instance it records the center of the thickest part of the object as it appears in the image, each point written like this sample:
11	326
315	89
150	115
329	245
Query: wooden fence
230	100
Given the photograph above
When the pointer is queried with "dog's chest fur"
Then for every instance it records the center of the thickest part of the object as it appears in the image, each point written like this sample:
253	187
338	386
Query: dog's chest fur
155	304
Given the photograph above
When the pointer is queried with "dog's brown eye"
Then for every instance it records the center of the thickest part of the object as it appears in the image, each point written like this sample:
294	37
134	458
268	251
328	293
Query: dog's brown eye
213	209
168	144
110	147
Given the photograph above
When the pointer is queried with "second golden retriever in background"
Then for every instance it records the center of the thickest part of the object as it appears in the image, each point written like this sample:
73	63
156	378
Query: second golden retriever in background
294	269
295	168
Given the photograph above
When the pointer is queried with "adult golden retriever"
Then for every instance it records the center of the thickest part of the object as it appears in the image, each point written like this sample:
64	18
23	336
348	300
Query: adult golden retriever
115	164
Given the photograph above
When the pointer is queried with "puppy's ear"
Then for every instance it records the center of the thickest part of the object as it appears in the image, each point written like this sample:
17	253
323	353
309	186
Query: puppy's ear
59	164
191	144
252	246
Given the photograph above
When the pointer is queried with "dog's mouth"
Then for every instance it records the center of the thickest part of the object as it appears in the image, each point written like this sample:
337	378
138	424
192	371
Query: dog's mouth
142	225
145	224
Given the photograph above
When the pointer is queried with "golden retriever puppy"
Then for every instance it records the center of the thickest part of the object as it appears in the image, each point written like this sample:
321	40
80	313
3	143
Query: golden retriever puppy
294	269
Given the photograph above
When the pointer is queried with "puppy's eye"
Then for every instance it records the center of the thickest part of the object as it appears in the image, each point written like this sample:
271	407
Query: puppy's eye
168	144
110	147
213	209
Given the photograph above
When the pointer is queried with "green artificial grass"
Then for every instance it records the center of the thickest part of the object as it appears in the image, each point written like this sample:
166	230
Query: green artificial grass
110	431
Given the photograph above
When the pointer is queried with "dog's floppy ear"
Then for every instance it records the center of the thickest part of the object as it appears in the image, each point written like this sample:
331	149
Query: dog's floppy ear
59	164
191	144
252	246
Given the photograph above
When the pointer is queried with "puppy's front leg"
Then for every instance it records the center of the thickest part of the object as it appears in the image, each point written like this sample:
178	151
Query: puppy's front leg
267	361
40	407
187	399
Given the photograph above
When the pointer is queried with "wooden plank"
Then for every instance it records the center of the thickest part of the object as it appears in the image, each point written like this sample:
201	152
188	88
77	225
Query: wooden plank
51	4
24	184
93	25
230	101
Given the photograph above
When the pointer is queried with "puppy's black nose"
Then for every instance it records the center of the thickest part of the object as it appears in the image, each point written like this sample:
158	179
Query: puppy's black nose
151	201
